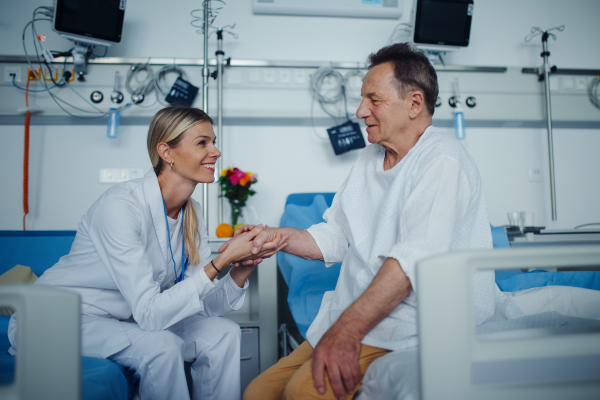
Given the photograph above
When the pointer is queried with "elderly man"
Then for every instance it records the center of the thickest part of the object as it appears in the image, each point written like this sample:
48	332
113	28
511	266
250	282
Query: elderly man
414	192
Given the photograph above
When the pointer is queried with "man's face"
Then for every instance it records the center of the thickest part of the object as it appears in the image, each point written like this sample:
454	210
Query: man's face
384	112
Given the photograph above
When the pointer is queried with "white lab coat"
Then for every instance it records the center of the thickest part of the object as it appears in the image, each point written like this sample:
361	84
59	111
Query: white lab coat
118	264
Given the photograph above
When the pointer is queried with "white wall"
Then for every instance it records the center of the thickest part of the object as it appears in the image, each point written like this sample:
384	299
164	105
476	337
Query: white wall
162	29
65	159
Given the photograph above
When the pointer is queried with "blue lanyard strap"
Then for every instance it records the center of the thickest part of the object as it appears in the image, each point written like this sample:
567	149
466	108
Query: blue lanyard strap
184	260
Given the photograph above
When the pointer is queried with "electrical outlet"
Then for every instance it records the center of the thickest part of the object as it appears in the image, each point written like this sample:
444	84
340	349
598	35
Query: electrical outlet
123	175
269	75
581	82
135	173
568	83
8	74
253	75
114	175
535	175
299	77
284	76
109	175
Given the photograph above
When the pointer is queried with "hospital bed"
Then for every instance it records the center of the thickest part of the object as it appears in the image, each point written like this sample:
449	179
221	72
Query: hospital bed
551	351
566	316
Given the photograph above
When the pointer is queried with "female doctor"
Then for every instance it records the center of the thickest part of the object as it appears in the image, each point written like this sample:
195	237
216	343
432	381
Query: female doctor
141	263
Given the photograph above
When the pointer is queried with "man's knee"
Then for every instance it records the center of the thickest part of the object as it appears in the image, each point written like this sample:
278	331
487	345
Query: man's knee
255	390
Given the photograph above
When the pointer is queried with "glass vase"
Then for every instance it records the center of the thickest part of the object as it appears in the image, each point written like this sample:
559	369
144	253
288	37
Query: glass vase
236	211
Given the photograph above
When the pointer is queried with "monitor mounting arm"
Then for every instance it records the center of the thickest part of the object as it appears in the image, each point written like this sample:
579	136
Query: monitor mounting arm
81	54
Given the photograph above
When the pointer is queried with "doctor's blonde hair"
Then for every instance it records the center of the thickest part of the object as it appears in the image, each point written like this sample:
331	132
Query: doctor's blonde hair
167	126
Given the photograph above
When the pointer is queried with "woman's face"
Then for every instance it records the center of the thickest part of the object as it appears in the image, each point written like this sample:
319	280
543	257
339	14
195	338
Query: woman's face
195	156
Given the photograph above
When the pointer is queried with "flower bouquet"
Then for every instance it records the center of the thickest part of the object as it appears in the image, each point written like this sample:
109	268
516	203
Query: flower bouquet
235	186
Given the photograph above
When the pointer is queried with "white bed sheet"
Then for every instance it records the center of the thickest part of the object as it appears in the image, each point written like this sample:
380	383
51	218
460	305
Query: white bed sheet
395	375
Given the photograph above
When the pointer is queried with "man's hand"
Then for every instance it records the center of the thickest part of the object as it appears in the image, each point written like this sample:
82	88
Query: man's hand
273	242
337	352
339	348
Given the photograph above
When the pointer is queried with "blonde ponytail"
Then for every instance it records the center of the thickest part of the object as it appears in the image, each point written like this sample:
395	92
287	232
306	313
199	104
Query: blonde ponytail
167	126
190	232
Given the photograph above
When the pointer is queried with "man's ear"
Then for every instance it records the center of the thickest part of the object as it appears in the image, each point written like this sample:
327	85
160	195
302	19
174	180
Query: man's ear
416	103
164	151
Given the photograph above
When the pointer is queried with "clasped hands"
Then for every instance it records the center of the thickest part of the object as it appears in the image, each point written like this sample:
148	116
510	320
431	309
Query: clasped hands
266	243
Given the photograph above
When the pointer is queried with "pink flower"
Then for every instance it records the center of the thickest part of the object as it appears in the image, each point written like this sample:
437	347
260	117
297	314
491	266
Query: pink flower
235	177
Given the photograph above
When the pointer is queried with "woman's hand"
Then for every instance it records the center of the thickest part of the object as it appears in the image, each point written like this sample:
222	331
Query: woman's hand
273	243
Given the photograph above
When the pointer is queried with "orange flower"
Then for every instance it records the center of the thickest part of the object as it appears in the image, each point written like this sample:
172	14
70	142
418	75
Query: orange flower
245	179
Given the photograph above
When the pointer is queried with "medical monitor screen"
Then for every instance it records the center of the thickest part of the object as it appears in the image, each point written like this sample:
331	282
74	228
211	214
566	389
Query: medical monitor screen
94	19
443	22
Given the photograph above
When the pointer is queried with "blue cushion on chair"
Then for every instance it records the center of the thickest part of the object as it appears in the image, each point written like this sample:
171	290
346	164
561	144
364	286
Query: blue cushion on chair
308	280
299	217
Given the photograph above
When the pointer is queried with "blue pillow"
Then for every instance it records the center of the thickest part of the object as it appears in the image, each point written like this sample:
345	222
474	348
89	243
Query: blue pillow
302	217
528	280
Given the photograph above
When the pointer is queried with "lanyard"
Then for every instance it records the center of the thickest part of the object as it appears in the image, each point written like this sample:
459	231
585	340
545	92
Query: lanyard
184	260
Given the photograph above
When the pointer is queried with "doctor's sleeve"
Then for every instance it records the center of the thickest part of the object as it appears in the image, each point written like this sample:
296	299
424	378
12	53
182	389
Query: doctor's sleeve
431	214
227	296
329	235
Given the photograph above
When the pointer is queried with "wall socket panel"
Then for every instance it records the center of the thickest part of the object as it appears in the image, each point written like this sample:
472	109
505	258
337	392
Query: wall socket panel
9	70
115	175
535	175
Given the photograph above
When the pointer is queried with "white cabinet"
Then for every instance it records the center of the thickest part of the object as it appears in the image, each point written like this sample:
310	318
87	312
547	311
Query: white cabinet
258	313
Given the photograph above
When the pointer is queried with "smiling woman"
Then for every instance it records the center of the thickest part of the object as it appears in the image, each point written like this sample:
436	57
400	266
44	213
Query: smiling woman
142	266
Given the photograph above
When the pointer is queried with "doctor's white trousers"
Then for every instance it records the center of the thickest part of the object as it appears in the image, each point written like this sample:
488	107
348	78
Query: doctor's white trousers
212	344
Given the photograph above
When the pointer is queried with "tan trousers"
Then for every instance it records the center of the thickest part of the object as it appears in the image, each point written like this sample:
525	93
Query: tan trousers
291	378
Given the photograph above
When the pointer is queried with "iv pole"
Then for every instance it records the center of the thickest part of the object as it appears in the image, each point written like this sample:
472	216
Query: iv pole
221	62
218	75
545	76
205	75
220	54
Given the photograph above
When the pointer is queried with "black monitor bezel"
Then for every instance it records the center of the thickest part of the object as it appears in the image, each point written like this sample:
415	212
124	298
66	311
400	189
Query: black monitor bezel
58	27
419	12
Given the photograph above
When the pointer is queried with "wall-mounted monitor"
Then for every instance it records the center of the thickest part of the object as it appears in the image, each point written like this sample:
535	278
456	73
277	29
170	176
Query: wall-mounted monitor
96	22
442	25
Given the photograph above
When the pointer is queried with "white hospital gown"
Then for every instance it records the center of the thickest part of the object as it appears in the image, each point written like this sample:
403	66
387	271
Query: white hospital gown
430	203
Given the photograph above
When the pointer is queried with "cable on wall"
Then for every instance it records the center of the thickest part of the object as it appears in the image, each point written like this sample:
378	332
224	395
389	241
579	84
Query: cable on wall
327	88
26	157
159	81
137	84
353	93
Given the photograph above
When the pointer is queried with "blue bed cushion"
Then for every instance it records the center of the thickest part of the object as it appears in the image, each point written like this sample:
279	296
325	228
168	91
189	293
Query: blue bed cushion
528	280
101	379
38	250
4	343
499	237
512	280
